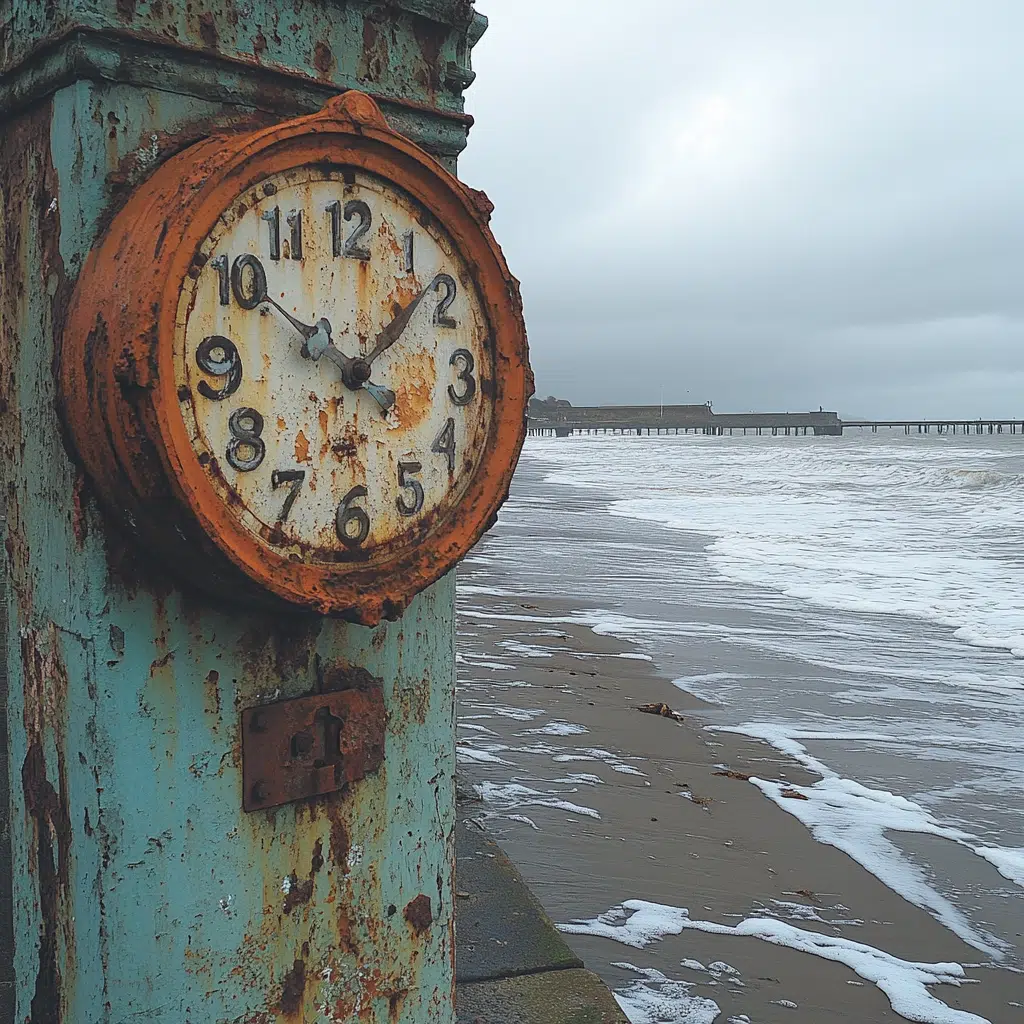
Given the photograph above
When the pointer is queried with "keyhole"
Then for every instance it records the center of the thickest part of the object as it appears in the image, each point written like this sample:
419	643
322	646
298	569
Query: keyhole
327	729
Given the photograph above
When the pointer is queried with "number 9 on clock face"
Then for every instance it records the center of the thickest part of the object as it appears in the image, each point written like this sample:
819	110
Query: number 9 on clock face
333	366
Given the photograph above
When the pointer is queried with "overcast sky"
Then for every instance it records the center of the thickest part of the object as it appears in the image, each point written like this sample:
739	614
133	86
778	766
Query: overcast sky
770	204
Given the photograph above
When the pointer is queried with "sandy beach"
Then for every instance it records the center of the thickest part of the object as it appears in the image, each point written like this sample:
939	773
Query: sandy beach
650	840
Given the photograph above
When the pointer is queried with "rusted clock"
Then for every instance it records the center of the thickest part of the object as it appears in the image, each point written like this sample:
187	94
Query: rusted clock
296	368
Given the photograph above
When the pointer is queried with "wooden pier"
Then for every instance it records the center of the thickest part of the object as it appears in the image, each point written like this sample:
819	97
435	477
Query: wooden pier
560	419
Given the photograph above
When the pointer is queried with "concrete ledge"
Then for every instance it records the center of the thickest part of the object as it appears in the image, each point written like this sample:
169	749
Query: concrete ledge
555	997
501	929
512	966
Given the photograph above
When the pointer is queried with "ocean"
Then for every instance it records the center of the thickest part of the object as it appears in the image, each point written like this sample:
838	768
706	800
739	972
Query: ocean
856	602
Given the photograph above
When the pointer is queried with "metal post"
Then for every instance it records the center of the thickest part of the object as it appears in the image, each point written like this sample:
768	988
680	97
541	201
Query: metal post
141	890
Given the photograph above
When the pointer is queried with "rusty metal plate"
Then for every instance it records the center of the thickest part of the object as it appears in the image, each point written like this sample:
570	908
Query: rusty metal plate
305	747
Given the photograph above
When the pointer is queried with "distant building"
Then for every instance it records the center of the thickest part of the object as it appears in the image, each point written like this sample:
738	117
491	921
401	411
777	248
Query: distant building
551	409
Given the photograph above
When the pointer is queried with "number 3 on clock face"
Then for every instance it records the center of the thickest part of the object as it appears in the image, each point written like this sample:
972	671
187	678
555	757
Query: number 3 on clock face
333	354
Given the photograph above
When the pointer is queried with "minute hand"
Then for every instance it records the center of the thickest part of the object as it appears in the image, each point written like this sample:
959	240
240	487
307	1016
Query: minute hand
393	331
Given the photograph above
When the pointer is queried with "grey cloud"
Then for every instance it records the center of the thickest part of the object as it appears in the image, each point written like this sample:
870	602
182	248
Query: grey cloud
776	204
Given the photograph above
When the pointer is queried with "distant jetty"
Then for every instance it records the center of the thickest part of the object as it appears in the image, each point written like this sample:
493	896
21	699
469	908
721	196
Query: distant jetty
556	416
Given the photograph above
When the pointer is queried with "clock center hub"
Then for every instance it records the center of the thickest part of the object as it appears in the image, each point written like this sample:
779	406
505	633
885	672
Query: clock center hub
360	373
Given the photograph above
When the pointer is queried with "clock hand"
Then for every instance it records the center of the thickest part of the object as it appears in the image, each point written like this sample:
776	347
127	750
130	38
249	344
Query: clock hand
355	373
317	342
304	329
384	397
390	334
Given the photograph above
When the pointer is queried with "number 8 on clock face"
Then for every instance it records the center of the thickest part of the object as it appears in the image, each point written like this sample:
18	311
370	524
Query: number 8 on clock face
331	362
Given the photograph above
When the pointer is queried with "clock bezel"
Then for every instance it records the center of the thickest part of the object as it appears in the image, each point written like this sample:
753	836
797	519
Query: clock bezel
120	401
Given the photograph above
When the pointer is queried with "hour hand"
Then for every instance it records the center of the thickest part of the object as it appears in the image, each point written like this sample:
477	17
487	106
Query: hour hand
304	329
319	344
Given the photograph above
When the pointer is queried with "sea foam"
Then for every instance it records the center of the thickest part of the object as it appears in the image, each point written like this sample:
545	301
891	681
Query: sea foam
638	923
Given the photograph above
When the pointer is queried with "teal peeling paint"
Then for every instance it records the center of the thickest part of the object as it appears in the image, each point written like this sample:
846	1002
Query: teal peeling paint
413	55
403	48
125	692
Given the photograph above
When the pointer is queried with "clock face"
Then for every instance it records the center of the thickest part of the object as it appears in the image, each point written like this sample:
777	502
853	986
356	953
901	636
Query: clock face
334	366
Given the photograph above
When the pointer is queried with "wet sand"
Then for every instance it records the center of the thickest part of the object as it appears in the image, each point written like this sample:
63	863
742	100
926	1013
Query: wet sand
726	853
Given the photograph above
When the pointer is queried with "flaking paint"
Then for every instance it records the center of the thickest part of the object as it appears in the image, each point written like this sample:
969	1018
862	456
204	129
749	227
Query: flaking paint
140	889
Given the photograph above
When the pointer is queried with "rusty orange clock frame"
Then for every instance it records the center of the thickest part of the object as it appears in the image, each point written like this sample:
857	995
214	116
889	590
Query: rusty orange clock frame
120	403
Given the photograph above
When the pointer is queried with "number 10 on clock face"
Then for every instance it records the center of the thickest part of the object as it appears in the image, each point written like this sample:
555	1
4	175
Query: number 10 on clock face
334	366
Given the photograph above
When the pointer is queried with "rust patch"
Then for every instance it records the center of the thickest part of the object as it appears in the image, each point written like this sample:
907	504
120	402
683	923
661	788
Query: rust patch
431	36
323	59
161	662
48	811
415	701
311	746
208	29
419	914
344	931
79	520
259	45
374	58
481	203
302	447
46	687
414	397
339	842
395	1001
213	691
299	894
349	443
293	988
30	220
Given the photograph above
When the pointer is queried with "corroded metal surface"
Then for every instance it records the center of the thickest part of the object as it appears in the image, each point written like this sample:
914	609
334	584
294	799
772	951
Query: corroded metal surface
412	55
140	888
413	51
328	437
132	414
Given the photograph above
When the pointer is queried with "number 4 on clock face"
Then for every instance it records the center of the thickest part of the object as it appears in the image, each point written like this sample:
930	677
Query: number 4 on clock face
444	444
